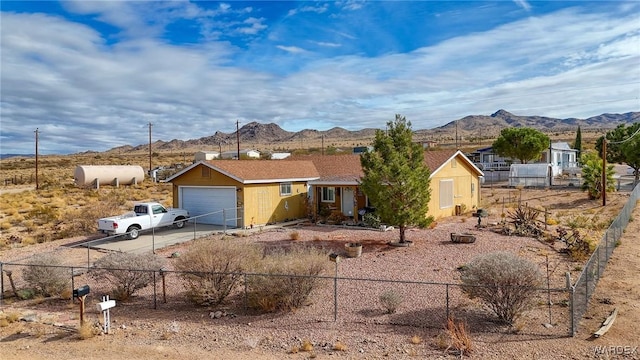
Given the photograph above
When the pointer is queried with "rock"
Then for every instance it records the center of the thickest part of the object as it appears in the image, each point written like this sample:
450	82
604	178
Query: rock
547	325
29	318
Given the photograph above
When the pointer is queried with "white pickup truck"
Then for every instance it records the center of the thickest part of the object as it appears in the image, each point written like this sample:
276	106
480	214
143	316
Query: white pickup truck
144	216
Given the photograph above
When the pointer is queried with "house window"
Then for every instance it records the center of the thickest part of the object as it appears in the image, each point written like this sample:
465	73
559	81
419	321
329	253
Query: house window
206	172
454	163
285	189
446	193
328	194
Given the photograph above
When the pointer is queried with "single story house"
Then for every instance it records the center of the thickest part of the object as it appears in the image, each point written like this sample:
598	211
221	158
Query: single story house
250	193
243	193
455	183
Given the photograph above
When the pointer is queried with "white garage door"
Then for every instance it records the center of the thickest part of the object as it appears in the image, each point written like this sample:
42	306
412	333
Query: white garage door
210	201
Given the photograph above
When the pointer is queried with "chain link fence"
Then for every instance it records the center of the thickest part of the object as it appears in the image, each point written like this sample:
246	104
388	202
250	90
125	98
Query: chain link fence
417	304
585	285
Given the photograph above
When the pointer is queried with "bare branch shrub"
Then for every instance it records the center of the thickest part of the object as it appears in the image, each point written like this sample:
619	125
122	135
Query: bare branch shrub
503	281
390	301
212	269
47	275
291	277
127	272
460	340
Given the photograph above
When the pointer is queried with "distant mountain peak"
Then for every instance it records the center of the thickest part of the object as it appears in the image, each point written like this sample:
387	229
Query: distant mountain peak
502	114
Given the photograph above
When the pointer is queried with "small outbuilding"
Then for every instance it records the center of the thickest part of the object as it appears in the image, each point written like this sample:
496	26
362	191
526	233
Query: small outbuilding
530	175
206	155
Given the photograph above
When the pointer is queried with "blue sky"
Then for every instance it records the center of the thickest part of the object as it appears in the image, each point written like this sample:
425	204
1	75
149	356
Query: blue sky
90	75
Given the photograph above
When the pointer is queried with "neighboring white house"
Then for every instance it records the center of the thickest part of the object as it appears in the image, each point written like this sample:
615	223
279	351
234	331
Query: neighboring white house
562	156
206	155
233	154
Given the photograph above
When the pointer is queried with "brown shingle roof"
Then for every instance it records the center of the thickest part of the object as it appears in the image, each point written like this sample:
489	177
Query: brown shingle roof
336	168
435	159
248	171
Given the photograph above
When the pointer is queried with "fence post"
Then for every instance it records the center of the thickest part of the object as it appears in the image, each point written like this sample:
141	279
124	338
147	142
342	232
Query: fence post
570	290
155	298
224	220
73	286
153	241
447	288
88	257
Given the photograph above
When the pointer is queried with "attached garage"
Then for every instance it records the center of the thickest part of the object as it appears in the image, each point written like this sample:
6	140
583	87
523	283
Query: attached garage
216	203
251	192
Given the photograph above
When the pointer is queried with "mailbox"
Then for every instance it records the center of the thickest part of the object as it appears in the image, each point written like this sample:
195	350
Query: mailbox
81	291
106	305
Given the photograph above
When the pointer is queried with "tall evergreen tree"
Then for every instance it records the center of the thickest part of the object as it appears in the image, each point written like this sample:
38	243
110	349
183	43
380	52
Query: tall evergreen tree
396	179
577	144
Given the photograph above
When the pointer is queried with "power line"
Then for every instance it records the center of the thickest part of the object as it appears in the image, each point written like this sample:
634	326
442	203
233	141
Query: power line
625	140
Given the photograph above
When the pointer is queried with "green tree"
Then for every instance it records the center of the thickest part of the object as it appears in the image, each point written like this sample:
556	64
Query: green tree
592	175
623	146
524	144
577	144
396	179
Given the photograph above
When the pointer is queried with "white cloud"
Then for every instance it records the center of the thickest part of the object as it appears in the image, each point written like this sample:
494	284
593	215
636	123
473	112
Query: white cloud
84	94
291	49
523	4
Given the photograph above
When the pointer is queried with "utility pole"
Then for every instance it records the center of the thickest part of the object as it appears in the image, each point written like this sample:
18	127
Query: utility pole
456	134
150	125
604	171
37	183
238	137
322	148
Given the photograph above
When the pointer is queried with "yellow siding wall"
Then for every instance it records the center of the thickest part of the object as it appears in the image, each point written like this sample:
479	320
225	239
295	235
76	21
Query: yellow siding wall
262	202
264	205
463	176
195	177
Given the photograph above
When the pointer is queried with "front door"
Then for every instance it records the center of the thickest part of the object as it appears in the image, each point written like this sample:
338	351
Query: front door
347	201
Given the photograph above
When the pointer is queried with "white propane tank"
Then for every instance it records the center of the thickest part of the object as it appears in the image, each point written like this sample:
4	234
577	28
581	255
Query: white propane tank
108	174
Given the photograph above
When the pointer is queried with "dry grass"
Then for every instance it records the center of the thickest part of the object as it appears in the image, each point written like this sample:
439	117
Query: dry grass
415	339
306	345
460	340
87	331
339	346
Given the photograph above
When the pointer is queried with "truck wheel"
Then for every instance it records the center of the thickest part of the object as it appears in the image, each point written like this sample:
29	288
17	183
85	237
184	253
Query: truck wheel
134	232
180	222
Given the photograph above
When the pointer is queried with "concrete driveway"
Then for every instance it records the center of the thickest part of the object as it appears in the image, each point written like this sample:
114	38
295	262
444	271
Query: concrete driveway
156	239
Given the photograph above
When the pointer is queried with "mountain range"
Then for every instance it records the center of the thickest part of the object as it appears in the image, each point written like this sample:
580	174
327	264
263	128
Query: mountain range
271	135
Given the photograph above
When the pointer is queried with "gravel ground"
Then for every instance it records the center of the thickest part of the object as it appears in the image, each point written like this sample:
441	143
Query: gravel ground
362	326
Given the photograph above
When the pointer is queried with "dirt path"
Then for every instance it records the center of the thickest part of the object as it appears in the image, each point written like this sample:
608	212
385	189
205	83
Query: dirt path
618	288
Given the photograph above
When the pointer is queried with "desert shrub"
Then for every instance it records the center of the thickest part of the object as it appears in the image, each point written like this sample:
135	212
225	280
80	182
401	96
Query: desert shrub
127	272
390	301
277	291
212	269
455	339
294	235
372	220
503	281
336	216
47	275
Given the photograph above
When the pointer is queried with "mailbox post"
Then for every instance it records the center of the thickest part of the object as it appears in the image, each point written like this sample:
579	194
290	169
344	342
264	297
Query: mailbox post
104	307
81	293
